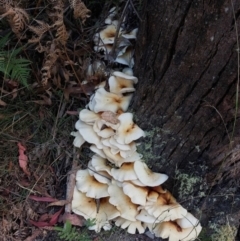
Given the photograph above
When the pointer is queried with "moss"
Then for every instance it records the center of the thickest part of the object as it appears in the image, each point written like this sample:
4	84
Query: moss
224	232
186	183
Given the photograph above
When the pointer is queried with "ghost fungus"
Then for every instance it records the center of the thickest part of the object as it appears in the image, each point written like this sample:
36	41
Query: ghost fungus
165	208
146	176
131	35
88	116
127	131
124	173
88	133
106	101
174	232
132	226
125	56
120	83
127	209
89	185
78	140
87	208
187	221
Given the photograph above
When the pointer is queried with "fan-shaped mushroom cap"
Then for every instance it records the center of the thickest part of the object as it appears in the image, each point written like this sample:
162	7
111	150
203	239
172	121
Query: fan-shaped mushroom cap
120	83
106	101
174	232
132	226
124	173
106	48
108	34
145	217
100	164
78	140
125	76
87	208
128	71
102	176
146	176
88	116
117	159
131	35
138	195
137	183
187	221
88	134
89	185
127	209
152	196
125	56
99	152
127	131
165	208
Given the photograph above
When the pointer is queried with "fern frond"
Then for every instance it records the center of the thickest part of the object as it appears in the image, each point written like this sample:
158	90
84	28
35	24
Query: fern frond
80	10
38	30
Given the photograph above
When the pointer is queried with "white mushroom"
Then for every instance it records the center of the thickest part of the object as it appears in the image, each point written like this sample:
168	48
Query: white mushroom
127	209
132	226
89	185
124	173
127	131
146	176
78	140
106	101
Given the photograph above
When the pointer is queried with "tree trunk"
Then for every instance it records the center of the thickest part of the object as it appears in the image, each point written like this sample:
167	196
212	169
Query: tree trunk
187	65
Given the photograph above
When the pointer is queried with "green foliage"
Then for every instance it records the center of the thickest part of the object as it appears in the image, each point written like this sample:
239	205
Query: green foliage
69	233
11	66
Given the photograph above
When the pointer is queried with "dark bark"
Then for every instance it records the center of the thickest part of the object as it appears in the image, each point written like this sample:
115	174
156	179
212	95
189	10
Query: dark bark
187	64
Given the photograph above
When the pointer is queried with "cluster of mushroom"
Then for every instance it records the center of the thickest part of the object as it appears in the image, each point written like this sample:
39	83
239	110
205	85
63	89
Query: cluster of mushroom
104	40
117	185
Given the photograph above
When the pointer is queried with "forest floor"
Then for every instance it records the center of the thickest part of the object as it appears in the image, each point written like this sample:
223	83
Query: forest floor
39	106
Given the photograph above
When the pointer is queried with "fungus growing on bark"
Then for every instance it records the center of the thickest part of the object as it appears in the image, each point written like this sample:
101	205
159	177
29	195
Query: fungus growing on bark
127	209
87	207
132	226
78	140
124	173
89	185
106	101
146	176
128	131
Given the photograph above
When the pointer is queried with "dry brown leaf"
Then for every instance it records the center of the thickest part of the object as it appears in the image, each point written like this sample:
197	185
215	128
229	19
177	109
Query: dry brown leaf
80	10
46	100
2	103
74	219
110	117
59	203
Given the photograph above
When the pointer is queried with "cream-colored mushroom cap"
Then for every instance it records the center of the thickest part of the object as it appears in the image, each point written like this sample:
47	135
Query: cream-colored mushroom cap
145	217
108	34
132	226
174	232
111	15
87	116
117	159
137	194
165	208
106	101
131	35
89	185
125	56
83	205
187	221
99	152
87	208
78	140
105	213
88	133
124	173
120	83
100	164
127	209
146	176
127	131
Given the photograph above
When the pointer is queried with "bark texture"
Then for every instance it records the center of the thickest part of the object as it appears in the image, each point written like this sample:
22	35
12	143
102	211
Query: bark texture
187	65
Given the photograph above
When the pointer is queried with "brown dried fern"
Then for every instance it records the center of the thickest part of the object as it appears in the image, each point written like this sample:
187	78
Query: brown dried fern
80	10
17	18
39	31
